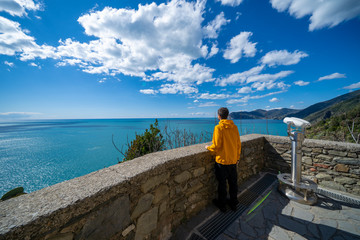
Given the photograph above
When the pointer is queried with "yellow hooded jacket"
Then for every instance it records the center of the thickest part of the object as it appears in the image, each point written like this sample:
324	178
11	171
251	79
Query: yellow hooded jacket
226	143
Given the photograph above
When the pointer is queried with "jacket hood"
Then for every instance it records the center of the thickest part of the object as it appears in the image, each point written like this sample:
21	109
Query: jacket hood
225	123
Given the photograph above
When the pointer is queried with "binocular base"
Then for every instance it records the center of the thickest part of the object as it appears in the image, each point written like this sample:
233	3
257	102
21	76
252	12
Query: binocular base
303	196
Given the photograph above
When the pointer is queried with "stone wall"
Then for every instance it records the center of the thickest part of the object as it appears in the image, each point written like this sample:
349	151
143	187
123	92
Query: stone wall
145	198
334	165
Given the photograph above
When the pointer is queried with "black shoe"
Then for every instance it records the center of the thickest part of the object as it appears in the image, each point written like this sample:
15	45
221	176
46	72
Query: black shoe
219	205
232	205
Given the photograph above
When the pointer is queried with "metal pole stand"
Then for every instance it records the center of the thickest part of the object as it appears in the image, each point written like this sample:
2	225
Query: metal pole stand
295	187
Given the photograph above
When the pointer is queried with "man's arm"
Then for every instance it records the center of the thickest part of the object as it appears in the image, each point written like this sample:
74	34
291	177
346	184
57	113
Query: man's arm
216	141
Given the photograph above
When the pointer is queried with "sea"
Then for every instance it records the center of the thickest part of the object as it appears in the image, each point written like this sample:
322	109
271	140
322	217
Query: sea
38	153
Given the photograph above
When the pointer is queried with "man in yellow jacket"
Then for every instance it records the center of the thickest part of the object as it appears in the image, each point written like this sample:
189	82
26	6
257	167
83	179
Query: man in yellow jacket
226	145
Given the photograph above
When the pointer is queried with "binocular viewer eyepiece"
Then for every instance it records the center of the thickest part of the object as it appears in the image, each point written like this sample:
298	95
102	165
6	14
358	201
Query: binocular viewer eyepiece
297	123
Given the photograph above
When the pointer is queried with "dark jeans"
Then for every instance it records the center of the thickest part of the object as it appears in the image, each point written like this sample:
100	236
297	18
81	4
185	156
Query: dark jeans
229	173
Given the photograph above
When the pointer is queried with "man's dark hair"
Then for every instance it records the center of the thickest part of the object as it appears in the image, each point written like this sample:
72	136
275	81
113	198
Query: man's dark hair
223	113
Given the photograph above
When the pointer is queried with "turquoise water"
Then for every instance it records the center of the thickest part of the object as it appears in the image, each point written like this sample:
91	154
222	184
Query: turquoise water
37	154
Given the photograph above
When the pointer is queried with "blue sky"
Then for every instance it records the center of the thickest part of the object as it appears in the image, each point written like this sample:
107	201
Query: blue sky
127	58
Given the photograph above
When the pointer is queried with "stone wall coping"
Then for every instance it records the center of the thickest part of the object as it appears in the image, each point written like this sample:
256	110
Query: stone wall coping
317	143
28	208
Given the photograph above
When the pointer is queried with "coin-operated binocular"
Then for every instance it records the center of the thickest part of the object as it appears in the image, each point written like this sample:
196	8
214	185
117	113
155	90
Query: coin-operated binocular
294	186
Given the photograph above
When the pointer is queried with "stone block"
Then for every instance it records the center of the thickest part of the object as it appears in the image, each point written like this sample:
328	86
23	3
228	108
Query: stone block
246	151
195	207
355	171
321	165
317	150
154	181
337	153
143	205
108	221
160	193
182	177
163	207
341	168
345	180
62	236
195	198
180	206
347	161
147	222
186	166
352	155
194	186
307	160
356	190
306	149
333	185
323	176
324	157
199	171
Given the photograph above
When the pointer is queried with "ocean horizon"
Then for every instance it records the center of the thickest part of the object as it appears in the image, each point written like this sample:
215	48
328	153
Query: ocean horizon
38	153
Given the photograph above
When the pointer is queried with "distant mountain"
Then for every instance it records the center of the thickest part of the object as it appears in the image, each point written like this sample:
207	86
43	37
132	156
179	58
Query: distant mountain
264	114
314	113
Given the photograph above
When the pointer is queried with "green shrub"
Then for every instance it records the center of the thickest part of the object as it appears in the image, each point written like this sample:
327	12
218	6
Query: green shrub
150	141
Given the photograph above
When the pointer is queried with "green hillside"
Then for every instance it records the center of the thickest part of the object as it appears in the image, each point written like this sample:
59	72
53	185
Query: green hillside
339	126
335	109
323	110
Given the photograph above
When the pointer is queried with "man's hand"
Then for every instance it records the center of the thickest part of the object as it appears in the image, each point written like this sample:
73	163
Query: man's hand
206	147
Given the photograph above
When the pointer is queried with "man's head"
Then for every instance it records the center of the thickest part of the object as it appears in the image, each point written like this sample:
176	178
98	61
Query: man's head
223	113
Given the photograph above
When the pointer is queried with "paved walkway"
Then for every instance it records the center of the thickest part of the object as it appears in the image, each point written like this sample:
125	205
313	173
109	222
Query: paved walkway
277	218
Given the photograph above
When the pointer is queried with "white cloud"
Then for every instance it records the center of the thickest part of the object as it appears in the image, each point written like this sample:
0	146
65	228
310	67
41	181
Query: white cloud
214	50
102	80
148	91
249	97
301	83
213	96
261	86
245	90
282	57
17	115
274	100
232	3
160	40
259	82
240	46
177	88
18	7
10	64
208	104
332	76
268	77
213	28
323	13
239	77
14	40
186	74
353	86
241	100
199	114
